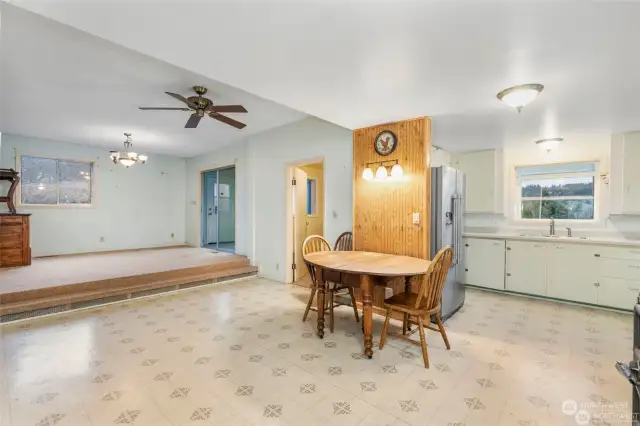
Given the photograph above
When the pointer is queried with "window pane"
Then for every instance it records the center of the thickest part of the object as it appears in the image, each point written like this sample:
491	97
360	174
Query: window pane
38	178
562	187
531	209
75	182
567	209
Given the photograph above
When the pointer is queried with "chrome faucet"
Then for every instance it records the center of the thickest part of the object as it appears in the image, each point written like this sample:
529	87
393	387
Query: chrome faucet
569	232
552	227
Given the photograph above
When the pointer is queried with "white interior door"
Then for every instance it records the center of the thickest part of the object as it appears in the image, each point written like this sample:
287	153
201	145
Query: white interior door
211	186
299	221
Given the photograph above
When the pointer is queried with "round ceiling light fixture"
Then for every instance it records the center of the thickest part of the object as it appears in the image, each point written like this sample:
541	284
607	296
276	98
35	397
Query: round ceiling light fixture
549	144
521	95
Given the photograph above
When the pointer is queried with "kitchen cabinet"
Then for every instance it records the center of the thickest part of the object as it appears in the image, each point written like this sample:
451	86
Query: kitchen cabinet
483	172
484	262
617	292
526	267
631	174
572	272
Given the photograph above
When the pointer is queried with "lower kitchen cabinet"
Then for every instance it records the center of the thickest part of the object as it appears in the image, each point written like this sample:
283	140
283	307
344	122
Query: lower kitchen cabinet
572	272
526	267
484	262
608	276
617	292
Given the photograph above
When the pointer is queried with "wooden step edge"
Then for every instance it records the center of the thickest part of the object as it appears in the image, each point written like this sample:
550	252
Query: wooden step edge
119	282
47	302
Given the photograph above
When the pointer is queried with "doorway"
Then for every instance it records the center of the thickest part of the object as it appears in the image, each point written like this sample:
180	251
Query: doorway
219	209
308	213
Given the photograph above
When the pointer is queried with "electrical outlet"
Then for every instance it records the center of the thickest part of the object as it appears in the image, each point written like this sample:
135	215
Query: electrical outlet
102	239
172	235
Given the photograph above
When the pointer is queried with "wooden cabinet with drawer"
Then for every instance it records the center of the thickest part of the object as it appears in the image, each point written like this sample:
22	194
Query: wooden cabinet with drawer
15	249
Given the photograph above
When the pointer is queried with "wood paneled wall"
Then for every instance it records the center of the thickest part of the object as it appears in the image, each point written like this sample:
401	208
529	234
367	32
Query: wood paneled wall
382	211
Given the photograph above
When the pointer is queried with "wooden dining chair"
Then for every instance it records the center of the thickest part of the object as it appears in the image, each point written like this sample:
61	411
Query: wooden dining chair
421	306
313	244
345	243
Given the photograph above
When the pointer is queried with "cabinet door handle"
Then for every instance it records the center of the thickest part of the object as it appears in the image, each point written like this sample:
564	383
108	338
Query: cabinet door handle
597	254
496	244
508	248
466	245
466	270
559	248
596	284
508	274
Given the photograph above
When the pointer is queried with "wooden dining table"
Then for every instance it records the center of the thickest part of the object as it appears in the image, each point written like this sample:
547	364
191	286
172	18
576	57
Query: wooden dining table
371	269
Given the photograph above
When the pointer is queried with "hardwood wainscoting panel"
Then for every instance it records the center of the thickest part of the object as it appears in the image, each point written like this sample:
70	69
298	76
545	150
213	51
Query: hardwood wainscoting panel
383	211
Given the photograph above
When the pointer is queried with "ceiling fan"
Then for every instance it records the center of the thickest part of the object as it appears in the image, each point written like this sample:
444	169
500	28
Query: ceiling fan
201	106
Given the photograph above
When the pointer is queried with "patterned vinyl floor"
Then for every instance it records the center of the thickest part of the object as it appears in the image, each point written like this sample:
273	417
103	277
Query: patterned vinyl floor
238	354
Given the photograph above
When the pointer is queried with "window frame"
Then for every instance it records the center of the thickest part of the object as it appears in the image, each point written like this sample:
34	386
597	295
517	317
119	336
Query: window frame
597	192
92	162
312	197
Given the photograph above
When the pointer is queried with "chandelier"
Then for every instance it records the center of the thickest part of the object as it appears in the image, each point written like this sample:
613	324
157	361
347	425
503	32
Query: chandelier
127	158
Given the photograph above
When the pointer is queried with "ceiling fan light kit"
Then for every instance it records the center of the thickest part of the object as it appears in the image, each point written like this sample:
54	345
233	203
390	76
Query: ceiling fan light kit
127	158
201	106
520	96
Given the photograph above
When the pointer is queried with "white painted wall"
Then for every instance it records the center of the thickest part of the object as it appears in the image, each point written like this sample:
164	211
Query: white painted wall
440	157
262	163
134	208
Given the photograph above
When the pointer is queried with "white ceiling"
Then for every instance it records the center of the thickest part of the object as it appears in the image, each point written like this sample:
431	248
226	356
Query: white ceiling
357	63
63	84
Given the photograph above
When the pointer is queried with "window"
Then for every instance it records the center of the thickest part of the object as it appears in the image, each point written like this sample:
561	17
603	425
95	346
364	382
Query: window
558	191
312	208
47	181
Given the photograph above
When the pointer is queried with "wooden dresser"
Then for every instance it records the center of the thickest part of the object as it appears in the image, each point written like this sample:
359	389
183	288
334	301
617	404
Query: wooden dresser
15	249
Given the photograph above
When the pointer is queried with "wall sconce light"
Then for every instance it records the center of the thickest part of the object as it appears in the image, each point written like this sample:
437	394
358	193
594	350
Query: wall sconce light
381	172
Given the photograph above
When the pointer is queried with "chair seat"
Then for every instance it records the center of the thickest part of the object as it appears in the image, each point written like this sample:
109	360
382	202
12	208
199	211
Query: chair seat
406	302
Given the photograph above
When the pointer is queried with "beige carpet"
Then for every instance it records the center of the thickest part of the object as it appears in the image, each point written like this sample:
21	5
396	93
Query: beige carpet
55	271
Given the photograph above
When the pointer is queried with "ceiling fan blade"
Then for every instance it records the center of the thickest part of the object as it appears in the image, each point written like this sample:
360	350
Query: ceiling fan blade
163	109
181	99
227	120
227	108
193	121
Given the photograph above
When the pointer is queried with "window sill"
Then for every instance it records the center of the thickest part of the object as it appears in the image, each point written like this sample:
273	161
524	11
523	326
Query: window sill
54	206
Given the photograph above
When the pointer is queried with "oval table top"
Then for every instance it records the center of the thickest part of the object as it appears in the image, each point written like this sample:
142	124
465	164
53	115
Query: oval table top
369	263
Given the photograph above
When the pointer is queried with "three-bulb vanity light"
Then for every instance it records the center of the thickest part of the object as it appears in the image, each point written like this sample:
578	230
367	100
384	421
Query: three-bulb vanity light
382	173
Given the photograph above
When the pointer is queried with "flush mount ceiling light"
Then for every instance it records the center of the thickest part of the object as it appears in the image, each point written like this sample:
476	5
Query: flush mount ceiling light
127	158
549	144
521	95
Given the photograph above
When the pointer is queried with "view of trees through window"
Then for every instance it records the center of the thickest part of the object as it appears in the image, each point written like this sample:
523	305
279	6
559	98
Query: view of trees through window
50	181
558	194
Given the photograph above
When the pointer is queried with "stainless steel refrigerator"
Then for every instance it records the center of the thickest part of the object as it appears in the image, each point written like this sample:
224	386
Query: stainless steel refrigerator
447	224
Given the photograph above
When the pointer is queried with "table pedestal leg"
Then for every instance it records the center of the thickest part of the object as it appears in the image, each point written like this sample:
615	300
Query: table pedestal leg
320	305
366	287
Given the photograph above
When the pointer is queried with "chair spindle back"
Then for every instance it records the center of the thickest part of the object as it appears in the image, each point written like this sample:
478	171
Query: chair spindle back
433	282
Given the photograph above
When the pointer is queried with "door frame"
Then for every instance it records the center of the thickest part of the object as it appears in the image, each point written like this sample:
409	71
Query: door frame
203	214
289	210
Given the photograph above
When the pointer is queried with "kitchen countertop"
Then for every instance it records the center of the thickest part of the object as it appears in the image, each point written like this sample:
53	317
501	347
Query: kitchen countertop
557	239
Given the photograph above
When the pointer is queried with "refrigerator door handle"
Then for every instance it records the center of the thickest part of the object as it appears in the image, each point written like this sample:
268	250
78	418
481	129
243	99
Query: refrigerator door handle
457	235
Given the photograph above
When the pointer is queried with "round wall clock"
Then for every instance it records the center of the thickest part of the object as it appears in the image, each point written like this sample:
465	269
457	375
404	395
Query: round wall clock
386	142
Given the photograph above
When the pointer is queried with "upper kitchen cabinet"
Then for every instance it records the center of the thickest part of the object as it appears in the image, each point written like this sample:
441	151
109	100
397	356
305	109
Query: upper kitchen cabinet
483	170
625	173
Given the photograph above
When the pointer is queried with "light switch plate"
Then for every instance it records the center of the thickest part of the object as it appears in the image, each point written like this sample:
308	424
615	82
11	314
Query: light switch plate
416	218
